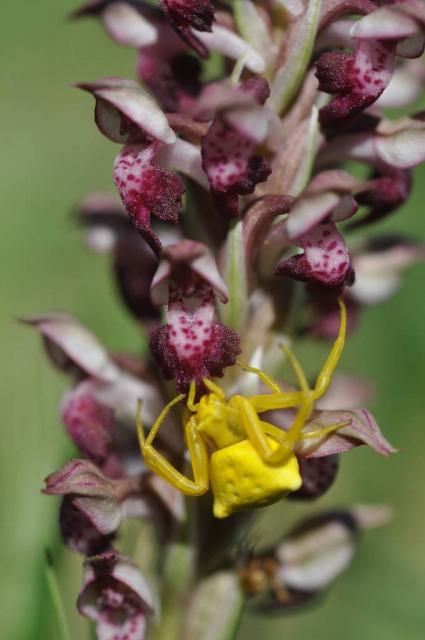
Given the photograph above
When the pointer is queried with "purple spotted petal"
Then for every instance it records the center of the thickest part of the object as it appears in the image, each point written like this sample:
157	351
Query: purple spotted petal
231	164
193	345
147	189
356	80
325	260
115	596
362	429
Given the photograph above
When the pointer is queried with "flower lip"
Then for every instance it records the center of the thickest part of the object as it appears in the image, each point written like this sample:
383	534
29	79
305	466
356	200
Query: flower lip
147	189
115	596
325	260
193	345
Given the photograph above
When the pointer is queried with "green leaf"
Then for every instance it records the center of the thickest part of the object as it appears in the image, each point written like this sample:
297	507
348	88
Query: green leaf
290	75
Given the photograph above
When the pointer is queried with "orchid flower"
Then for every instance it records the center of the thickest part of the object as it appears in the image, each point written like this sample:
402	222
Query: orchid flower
229	236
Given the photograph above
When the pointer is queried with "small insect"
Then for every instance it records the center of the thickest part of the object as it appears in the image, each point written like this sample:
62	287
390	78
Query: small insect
245	461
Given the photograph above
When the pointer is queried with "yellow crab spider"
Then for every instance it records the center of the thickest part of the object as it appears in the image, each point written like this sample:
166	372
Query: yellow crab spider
246	461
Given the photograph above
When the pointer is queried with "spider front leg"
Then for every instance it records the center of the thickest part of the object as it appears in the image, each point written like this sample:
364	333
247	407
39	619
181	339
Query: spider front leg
265	379
159	465
256	432
287	400
325	376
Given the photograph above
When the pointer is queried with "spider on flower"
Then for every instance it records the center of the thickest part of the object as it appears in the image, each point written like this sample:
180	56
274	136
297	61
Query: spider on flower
245	461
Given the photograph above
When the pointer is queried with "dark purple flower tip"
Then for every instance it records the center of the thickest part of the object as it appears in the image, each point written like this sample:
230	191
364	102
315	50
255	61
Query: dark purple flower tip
318	475
198	14
325	260
193	345
147	189
125	113
387	192
115	596
175	83
185	15
356	80
88	422
189	268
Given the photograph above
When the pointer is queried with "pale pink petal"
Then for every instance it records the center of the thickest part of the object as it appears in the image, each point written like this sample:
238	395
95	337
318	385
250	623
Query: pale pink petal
325	259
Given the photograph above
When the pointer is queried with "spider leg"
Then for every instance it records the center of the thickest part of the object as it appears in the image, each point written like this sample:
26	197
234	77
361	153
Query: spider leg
284	399
324	378
267	380
275	401
191	405
256	432
156	425
306	407
162	467
214	388
323	431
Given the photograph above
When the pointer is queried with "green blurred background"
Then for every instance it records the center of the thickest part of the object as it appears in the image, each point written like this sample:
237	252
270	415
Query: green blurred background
52	156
